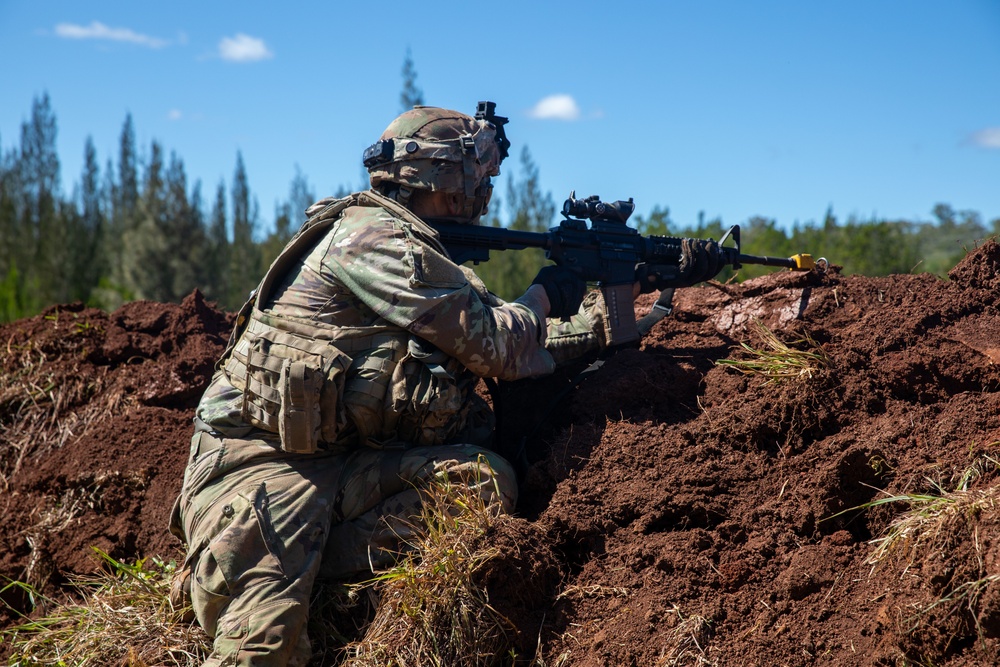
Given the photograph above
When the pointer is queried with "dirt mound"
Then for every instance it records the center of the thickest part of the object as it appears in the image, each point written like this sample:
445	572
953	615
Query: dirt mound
674	511
95	410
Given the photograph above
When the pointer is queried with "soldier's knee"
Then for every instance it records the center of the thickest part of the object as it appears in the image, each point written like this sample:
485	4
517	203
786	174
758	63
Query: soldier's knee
483	470
271	634
243	556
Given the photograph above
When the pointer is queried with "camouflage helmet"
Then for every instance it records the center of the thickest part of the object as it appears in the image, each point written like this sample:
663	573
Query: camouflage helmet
435	149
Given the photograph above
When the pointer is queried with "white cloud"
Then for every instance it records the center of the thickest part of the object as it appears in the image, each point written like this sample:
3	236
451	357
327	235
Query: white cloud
987	138
556	107
97	30
243	49
174	114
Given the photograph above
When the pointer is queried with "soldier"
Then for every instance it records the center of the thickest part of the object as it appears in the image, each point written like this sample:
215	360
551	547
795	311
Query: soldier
349	382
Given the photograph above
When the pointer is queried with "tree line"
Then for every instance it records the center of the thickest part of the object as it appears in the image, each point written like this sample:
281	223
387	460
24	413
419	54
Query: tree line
137	229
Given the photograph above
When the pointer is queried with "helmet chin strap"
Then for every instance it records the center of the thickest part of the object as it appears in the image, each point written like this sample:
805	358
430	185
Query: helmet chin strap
403	195
472	189
396	192
477	200
473	209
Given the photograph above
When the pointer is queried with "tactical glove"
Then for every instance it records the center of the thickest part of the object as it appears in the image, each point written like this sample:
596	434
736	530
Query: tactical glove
656	277
700	261
564	288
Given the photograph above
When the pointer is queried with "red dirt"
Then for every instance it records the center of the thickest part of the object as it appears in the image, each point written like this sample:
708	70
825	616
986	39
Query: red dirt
675	512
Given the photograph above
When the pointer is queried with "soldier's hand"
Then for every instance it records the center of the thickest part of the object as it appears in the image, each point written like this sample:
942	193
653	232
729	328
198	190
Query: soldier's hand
564	289
700	260
655	277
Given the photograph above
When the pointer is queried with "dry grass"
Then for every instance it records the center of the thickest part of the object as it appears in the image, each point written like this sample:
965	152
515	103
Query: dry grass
40	412
925	533
431	610
125	619
929	516
776	360
686	643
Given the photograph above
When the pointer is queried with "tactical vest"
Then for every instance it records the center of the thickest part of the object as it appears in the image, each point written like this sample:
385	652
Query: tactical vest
316	384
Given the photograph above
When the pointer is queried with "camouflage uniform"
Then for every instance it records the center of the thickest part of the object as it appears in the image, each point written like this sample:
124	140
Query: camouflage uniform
412	333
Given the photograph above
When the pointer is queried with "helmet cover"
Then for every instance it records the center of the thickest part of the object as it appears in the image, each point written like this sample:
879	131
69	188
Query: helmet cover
430	148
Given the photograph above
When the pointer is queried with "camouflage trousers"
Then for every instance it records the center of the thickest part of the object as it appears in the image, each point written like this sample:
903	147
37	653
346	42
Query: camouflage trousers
262	525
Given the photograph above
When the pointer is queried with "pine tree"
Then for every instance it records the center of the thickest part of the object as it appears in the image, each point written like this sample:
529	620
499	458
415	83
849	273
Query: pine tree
39	161
128	174
145	264
244	260
9	227
124	201
205	256
11	306
300	197
89	265
288	216
44	225
411	95
185	234
217	265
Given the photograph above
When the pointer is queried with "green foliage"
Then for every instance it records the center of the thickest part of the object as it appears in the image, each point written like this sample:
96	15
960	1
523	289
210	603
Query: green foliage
245	261
657	224
122	236
11	294
509	273
289	216
123	617
216	271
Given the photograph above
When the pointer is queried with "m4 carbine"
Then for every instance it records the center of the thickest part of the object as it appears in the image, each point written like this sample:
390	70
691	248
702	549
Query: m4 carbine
607	252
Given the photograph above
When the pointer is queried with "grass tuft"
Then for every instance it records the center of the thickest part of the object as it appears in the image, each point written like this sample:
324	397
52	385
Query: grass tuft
125	619
686	642
431	610
776	360
928	514
920	542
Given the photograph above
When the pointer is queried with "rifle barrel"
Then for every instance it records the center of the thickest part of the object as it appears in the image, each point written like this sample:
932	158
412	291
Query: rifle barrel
787	262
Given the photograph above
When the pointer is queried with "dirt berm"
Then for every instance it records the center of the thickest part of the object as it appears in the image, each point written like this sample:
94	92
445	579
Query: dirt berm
676	511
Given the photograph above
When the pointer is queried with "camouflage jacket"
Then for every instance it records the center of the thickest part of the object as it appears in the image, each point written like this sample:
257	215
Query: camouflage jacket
416	328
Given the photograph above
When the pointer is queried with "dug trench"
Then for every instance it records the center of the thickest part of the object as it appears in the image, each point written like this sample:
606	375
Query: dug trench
674	510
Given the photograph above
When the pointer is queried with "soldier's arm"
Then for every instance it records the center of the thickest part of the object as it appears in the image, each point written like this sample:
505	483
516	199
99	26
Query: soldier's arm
412	285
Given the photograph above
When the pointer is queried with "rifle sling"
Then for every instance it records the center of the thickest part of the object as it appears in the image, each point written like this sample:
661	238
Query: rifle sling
662	308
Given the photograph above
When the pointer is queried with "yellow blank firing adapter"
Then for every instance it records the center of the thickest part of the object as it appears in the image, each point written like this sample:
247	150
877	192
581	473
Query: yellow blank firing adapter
803	262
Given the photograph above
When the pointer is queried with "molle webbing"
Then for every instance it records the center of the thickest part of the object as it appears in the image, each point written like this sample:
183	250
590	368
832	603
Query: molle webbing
272	357
369	356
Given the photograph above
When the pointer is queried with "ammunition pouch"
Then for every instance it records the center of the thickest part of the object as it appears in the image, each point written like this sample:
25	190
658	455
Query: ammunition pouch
316	384
431	393
292	384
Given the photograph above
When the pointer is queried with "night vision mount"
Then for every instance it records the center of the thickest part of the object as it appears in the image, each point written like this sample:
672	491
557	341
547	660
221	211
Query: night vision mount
487	111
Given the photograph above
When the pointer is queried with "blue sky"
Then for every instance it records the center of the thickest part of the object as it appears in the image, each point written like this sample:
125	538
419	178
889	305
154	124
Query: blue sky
736	109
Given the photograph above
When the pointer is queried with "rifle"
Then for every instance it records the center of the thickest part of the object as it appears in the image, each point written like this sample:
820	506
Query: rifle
606	252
